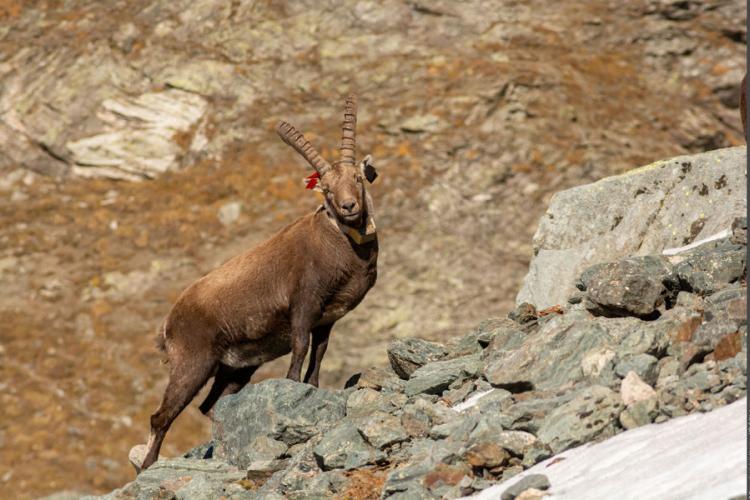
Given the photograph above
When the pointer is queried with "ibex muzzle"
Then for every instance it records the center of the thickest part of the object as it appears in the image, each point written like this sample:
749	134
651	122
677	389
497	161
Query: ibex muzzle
282	296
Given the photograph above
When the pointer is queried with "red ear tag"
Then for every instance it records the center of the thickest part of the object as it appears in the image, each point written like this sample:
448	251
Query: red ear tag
312	180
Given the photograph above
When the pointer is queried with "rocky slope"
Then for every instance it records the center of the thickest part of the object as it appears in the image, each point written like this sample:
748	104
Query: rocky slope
639	339
476	114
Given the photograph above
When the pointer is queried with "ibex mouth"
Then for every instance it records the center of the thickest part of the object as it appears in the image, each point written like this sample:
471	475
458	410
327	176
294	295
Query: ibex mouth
349	218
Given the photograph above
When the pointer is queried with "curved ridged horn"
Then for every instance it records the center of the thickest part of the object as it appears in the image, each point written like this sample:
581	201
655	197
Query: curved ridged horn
349	131
295	139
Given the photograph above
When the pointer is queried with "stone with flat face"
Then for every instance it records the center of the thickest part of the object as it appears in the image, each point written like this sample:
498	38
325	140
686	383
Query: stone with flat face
667	204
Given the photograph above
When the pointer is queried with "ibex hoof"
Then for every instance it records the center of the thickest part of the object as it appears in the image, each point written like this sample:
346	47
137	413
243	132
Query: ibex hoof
137	455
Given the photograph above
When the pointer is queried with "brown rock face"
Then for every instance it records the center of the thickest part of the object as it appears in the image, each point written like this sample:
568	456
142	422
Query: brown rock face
728	347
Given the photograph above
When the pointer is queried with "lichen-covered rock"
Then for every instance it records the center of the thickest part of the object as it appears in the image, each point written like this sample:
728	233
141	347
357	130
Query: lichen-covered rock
183	478
641	212
419	417
529	414
644	365
639	413
279	412
435	377
592	413
407	355
364	402
739	231
569	348
382	430
343	447
635	286
523	313
478	339
380	380
712	267
406	481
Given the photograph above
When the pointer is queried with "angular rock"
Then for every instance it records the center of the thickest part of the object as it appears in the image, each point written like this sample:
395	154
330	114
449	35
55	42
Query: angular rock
644	365
639	413
407	355
168	477
707	270
138	141
634	390
443	479
382	430
281	410
488	429
322	485
344	448
553	355
592	413
459	391
420	416
643	211
366	401
597	365
739	231
435	377
480	338
380	380
523	313
636	286
535	481
407	480
530	414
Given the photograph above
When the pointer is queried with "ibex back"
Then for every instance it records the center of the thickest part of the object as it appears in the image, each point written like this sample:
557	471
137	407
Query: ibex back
282	296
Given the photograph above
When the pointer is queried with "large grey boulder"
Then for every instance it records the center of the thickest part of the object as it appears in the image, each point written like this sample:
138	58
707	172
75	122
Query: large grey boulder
667	204
260	422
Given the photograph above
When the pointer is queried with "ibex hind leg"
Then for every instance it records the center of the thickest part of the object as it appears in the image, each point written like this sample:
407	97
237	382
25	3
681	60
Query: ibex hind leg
186	378
227	381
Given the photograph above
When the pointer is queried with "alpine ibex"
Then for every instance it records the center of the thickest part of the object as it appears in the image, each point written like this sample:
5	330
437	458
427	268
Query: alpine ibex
283	295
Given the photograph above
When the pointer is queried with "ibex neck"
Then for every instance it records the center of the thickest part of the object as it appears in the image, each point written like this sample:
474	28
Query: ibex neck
359	235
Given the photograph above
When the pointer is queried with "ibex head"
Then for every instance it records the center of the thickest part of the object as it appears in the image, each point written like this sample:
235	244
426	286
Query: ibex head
343	182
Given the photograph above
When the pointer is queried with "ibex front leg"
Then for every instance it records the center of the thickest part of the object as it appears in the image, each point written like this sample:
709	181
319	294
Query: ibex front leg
320	336
302	321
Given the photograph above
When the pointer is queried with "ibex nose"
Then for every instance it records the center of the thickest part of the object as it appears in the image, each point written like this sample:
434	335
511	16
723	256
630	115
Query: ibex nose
349	206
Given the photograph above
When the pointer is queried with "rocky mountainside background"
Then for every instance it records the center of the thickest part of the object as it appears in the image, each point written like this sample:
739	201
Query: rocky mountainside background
475	113
643	339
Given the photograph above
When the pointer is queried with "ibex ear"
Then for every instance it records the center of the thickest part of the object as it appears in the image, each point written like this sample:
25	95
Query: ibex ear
368	169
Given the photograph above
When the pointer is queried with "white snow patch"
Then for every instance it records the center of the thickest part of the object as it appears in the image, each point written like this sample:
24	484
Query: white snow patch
699	456
713	237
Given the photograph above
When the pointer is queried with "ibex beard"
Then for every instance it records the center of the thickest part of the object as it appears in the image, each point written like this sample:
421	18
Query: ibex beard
282	296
